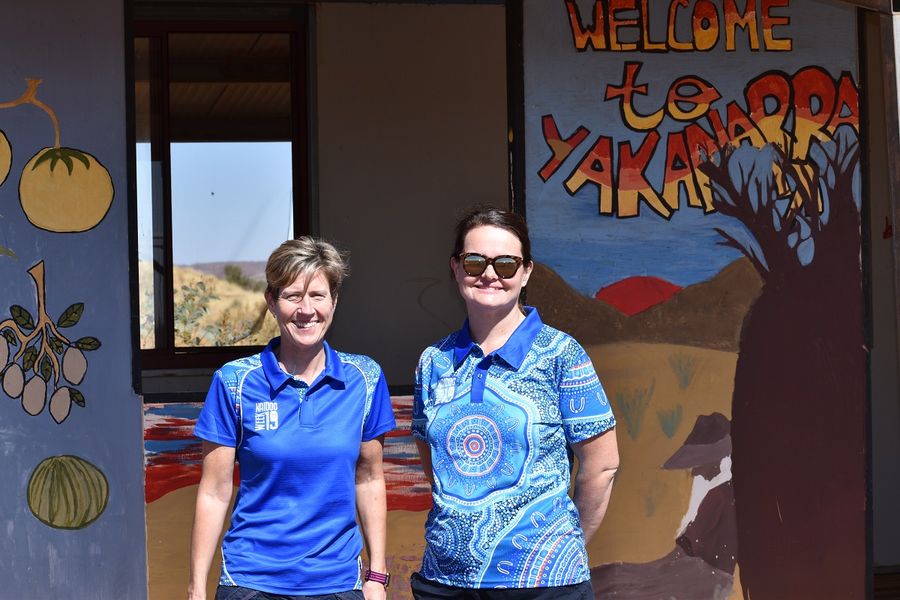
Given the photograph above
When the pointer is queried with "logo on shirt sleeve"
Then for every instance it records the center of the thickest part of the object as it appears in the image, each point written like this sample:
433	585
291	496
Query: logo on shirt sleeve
266	416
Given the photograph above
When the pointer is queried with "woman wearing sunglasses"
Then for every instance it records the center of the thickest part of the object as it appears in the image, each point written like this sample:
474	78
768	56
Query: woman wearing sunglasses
307	424
498	404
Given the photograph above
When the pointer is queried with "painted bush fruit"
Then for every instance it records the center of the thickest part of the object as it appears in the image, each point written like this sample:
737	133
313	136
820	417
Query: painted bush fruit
74	365
13	381
36	355
5	157
60	404
67	492
35	396
65	190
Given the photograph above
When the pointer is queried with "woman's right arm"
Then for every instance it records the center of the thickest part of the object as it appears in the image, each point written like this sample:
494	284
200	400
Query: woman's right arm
425	458
213	498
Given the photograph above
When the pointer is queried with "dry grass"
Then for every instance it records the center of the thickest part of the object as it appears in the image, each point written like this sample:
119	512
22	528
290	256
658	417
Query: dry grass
233	316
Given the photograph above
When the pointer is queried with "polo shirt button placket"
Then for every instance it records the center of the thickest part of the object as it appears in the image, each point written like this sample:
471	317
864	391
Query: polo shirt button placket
305	408
480	379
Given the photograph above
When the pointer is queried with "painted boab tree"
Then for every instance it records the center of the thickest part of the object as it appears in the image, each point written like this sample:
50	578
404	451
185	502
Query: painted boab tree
798	406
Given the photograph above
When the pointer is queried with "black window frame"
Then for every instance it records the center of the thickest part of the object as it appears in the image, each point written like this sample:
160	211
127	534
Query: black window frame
172	357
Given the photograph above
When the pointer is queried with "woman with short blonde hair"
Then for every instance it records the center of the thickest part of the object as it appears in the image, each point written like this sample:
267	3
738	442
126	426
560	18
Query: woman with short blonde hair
307	425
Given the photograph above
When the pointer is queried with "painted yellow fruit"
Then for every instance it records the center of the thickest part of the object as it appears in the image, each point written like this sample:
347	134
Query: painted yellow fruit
65	190
35	396
5	157
60	404
74	365
13	381
67	492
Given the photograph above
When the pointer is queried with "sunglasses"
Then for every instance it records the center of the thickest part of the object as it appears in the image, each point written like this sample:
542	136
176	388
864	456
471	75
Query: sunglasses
475	264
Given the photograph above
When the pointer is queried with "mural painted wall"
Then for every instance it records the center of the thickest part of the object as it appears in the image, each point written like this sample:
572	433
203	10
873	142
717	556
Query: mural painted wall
70	423
693	188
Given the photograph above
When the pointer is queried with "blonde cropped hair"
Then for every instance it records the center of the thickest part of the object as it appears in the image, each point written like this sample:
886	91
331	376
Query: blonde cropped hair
305	255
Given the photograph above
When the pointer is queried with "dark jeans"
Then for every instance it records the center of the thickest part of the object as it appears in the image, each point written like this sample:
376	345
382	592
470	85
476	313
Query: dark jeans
423	589
232	592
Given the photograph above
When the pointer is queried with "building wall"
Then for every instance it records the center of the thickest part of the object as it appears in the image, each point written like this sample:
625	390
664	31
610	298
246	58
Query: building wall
406	139
72	462
409	130
411	119
695	202
409	136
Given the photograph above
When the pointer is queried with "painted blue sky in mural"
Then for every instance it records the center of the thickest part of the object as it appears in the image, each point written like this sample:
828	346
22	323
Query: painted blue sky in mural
588	250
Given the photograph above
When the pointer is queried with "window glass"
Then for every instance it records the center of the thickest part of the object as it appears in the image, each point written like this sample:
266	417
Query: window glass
231	206
151	235
214	176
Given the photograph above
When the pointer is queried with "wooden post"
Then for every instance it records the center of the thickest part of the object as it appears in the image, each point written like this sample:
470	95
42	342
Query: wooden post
890	44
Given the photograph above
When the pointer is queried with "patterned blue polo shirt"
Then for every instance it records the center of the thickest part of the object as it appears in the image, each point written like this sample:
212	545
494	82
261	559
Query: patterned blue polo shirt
498	428
293	529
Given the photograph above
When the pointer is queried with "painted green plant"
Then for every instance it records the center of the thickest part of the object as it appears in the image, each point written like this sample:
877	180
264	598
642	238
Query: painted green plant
632	405
684	366
670	420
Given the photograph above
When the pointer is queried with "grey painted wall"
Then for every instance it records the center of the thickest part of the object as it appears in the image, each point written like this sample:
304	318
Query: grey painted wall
411	131
77	50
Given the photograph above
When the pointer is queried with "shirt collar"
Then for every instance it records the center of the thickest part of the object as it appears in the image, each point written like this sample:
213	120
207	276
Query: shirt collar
515	348
277	377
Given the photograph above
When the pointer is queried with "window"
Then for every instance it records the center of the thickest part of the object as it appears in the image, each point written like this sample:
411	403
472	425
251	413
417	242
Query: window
221	180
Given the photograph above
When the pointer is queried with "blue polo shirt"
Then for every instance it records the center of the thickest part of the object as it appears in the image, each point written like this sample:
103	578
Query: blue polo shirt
293	529
498	428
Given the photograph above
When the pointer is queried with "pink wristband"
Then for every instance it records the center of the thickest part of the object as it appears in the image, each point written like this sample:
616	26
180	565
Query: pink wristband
382	578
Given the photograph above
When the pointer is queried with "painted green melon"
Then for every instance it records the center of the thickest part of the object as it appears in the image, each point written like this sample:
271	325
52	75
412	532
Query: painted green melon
67	492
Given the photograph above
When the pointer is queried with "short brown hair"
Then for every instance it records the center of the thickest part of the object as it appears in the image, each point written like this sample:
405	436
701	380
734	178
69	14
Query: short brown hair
305	255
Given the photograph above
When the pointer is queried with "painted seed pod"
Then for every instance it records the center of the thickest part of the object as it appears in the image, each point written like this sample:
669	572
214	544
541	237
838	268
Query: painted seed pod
35	396
67	492
13	381
74	365
60	404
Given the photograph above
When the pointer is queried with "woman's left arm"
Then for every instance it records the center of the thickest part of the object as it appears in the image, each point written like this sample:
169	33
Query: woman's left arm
371	504
598	460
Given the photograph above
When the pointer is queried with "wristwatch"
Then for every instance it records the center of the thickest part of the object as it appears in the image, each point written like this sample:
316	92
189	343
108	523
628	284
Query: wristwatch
382	578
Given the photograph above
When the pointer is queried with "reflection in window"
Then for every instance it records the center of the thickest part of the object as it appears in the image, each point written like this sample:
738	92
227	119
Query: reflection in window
213	129
231	206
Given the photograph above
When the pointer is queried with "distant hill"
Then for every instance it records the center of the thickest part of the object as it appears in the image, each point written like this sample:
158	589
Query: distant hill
708	314
253	269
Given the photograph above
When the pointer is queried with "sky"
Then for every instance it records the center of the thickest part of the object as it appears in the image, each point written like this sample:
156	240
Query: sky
230	201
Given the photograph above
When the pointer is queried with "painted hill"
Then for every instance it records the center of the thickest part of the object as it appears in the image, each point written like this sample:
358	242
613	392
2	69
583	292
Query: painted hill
636	294
708	314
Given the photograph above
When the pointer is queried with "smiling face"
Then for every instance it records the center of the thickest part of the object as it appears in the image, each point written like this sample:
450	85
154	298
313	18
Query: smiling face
488	292
303	310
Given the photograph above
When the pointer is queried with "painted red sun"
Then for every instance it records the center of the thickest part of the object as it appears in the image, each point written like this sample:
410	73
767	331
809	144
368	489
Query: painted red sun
636	294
